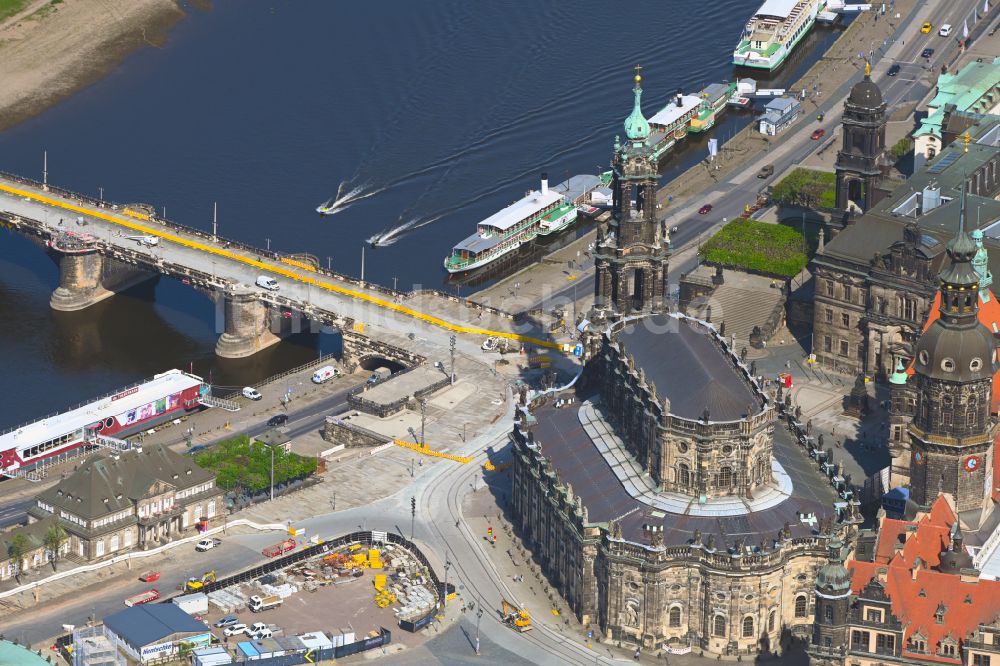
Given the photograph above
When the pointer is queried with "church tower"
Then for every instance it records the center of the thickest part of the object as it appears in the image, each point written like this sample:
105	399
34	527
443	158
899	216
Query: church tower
632	250
901	404
858	160
952	432
833	601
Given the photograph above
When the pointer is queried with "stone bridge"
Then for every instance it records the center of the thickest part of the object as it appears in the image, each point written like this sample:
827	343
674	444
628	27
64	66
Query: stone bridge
102	248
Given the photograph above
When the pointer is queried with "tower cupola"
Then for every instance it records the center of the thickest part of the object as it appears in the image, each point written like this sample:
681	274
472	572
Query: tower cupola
636	125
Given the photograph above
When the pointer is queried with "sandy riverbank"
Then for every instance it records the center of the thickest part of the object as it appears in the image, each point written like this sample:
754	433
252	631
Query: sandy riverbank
51	50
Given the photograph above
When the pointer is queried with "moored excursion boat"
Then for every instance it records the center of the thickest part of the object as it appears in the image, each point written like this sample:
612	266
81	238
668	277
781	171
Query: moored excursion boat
773	31
539	213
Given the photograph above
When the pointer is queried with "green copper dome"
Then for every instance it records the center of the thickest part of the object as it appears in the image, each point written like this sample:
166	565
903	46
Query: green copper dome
636	125
898	377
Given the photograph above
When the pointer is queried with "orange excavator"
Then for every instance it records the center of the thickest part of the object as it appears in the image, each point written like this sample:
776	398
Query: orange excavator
517	618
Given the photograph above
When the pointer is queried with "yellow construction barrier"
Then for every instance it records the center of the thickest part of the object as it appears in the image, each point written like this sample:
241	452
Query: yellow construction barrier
276	269
430	452
490	466
298	264
136	214
380	582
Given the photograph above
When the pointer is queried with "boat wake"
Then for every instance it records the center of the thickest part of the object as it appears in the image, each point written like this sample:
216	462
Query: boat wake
343	200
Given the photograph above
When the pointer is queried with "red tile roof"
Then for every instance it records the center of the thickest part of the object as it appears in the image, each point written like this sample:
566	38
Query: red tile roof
989	316
967	604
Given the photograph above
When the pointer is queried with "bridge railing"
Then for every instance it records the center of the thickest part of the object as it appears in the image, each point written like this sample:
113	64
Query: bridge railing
281	375
250	249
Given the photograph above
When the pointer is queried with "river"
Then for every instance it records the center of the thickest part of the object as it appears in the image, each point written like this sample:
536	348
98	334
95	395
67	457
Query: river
433	114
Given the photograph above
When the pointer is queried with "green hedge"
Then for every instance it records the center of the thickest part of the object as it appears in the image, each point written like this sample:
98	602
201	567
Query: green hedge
771	249
807	187
239	463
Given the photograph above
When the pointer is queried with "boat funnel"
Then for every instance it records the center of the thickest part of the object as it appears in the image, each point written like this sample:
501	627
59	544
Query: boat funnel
545	184
680	99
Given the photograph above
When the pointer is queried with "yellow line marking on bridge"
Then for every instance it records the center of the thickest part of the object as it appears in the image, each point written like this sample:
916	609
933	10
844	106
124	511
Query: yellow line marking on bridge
430	452
298	264
352	293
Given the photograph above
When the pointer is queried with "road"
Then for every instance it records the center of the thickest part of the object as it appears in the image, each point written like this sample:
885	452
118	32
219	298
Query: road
440	527
301	421
728	197
227	267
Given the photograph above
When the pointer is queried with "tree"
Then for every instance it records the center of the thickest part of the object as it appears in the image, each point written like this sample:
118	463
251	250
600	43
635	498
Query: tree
17	550
55	537
184	650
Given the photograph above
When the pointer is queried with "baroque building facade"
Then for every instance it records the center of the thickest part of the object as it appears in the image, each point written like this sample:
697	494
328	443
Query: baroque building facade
654	495
908	593
875	281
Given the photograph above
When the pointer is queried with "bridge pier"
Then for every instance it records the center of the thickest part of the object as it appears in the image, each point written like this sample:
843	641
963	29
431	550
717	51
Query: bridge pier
247	325
86	277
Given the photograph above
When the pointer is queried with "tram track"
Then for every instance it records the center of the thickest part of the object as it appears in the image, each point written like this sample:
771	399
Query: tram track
486	583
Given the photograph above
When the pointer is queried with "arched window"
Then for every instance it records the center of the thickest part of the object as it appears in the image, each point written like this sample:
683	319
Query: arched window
684	474
828	613
747	627
719	626
725	477
674	619
770	621
801	606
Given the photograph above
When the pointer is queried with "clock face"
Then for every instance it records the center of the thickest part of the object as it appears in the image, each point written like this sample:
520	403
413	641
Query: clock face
918	457
972	463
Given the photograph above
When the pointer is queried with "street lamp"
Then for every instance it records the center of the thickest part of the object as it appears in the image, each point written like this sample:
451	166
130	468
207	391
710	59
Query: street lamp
479	616
451	345
423	419
447	565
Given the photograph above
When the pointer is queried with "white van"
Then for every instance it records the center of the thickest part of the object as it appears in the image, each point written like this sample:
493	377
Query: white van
325	373
945	30
268	283
250	393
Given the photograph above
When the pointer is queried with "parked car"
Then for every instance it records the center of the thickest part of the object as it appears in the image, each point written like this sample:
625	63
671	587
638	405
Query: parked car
818	134
227	621
235	629
325	373
945	30
277	420
269	283
207	544
766	171
705	210
926	28
894	70
250	393
260	634
927	53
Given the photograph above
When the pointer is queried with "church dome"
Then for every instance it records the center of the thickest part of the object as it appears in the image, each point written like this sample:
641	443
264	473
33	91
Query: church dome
833	578
636	125
866	94
955	354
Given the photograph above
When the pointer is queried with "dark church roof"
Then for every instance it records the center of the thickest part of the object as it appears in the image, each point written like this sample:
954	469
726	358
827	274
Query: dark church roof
865	94
576	460
689	368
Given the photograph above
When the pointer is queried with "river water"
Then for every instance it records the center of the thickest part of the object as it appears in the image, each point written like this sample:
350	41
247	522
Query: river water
432	114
